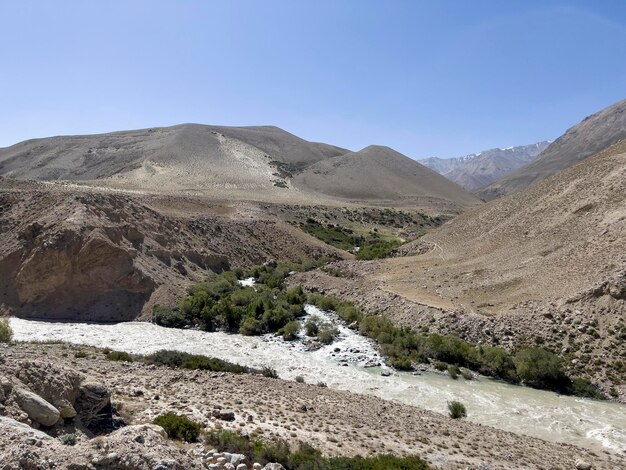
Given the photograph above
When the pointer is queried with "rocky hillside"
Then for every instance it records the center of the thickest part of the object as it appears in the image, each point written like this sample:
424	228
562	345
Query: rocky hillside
545	266
89	255
593	134
225	162
379	173
482	168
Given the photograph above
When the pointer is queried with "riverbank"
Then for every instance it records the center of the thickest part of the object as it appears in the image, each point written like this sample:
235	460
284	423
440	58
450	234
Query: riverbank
546	415
337	422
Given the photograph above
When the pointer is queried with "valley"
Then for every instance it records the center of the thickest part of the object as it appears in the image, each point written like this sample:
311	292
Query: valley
368	283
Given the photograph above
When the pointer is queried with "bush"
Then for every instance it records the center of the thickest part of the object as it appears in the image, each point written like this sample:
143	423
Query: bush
584	388
178	427
540	368
456	410
290	331
68	439
305	457
6	333
299	379
119	356
169	317
176	359
453	371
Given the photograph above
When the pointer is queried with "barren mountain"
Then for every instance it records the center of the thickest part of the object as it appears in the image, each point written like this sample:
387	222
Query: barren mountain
482	168
381	173
593	134
544	266
241	162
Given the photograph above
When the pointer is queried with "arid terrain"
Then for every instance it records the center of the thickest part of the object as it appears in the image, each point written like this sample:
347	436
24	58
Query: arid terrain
106	227
338	423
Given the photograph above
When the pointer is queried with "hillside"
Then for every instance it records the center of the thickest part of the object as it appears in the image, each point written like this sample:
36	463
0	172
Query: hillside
482	168
184	157
543	266
594	134
226	162
379	173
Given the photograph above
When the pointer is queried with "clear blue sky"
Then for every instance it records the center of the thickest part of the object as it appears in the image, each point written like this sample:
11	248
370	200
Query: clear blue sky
427	78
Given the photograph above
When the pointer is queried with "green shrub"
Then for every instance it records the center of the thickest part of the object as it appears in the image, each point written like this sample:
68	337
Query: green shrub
583	388
456	409
119	356
68	439
80	354
540	368
440	366
250	326
179	427
169	317
453	371
6	333
305	457
269	373
290	331
311	327
299	379
181	360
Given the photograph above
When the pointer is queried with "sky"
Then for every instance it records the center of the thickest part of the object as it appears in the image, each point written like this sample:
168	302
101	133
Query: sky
428	78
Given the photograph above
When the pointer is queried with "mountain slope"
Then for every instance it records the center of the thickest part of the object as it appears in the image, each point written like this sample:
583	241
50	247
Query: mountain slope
377	172
224	162
479	169
593	134
178	157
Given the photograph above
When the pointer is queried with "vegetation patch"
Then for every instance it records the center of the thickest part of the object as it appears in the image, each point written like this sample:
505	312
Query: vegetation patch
370	245
403	347
456	409
305	457
179	427
6	333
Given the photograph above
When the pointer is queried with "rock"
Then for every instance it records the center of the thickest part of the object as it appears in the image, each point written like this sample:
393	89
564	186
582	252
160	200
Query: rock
273	466
582	465
385	372
242	466
257	466
37	409
15	427
224	415
94	406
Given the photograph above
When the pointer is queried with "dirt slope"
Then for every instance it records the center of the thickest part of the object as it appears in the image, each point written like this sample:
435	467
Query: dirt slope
379	173
90	255
257	163
593	134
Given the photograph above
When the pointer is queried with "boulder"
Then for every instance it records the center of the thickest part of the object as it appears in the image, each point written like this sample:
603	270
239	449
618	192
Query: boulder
37	409
273	466
15	428
582	465
224	415
93	406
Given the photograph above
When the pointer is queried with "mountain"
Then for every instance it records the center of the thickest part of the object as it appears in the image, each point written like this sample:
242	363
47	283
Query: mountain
482	168
378	172
245	162
593	134
545	266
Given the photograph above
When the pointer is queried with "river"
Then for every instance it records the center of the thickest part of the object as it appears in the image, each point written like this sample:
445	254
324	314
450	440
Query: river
341	365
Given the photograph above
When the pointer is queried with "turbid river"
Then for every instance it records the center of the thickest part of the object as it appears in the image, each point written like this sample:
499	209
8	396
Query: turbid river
512	408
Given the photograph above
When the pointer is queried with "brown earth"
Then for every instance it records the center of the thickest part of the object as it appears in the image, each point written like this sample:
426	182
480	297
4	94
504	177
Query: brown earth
106	256
333	421
544	266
